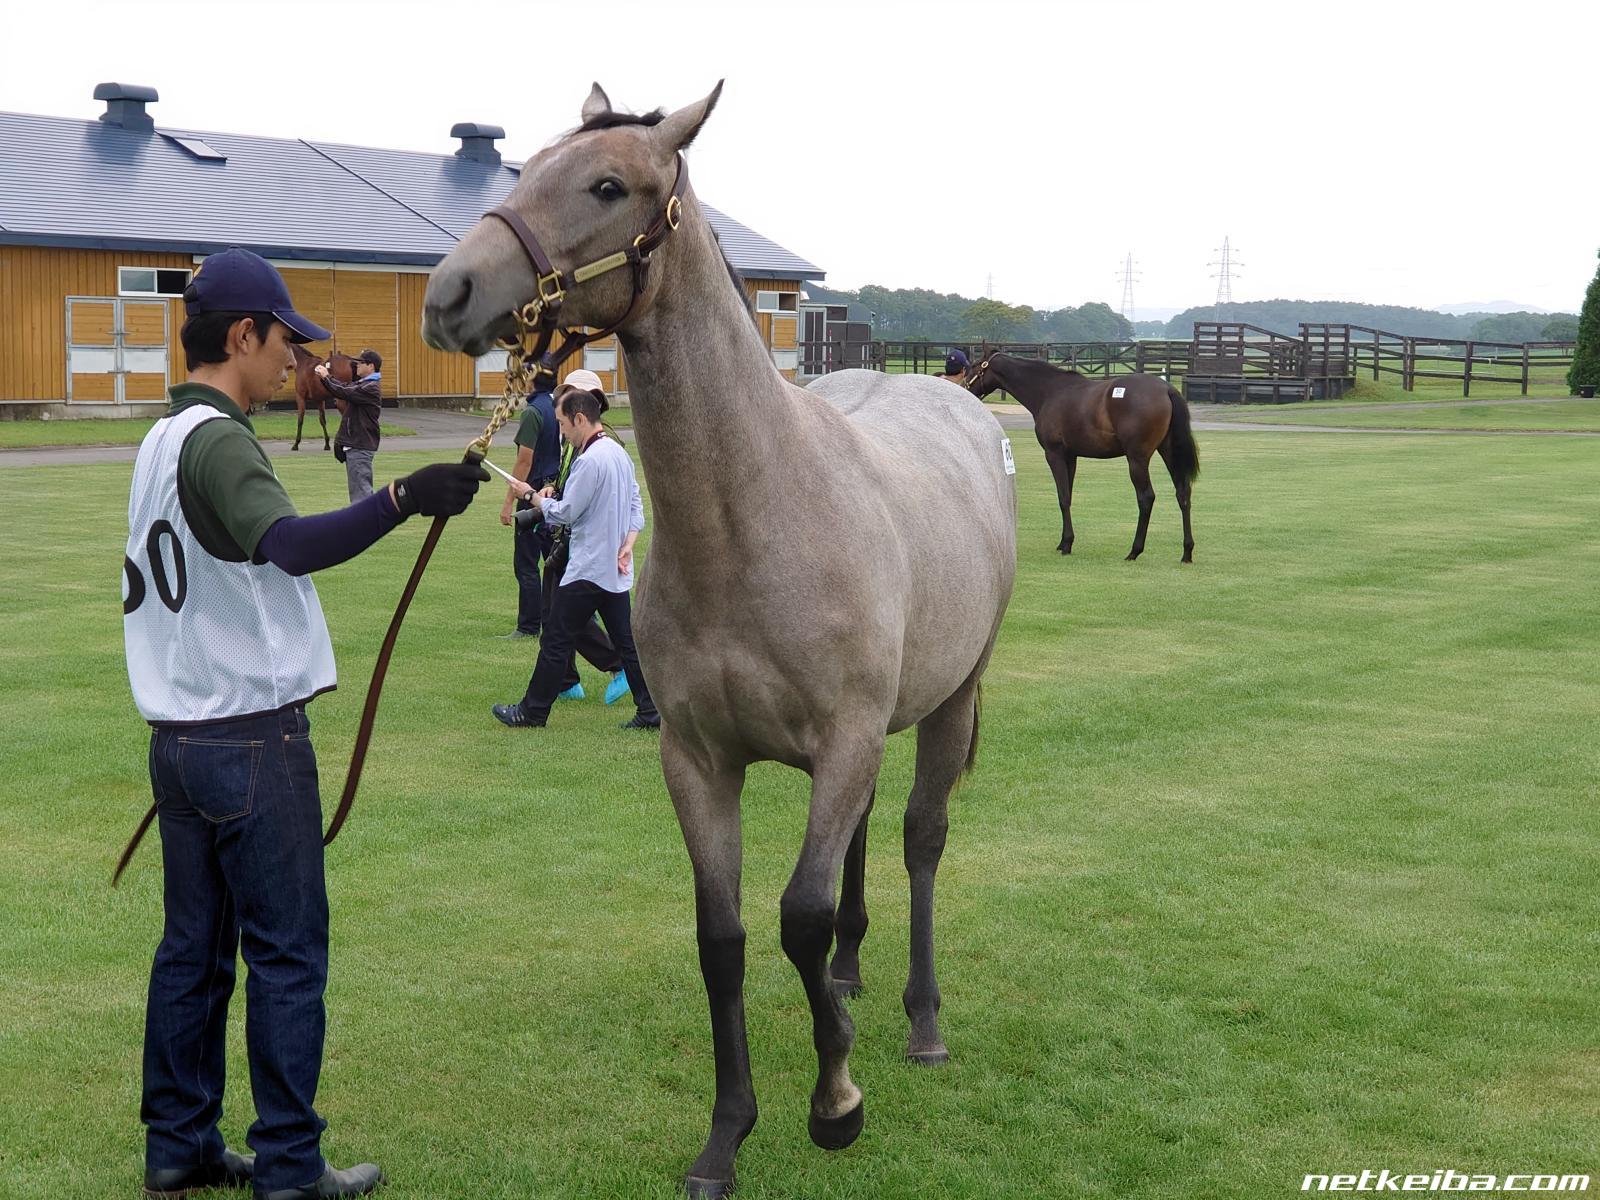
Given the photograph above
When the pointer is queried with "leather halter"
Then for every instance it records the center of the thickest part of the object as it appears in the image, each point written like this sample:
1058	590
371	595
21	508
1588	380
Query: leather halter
542	314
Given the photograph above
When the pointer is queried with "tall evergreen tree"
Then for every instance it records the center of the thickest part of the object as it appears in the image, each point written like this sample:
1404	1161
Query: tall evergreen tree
1585	369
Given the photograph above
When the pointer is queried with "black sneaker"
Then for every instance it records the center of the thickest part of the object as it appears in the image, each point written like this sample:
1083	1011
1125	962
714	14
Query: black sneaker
234	1170
639	722
514	716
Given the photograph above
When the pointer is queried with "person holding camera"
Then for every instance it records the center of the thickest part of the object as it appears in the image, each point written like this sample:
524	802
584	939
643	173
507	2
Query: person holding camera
361	408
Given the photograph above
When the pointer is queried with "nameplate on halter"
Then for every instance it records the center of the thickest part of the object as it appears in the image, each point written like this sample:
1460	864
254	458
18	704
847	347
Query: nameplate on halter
1117	393
610	263
1005	453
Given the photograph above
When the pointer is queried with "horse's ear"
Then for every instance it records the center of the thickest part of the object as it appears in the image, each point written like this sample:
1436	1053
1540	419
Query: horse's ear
597	105
679	129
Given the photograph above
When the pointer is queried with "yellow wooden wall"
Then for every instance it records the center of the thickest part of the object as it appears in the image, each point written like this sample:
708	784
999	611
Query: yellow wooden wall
35	282
422	370
380	309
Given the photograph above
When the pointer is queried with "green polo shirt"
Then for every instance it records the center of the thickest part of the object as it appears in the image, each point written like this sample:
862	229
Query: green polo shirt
230	495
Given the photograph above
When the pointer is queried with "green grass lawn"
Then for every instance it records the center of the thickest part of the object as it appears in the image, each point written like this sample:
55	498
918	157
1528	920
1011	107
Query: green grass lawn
121	431
616	417
1278	863
1568	414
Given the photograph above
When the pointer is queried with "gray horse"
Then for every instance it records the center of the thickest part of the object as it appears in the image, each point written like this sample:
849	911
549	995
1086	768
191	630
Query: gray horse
827	566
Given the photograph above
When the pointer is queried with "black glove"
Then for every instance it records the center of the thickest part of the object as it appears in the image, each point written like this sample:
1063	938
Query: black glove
440	490
338	451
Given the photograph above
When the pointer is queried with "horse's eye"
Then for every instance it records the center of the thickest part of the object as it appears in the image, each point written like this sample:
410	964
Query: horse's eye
609	189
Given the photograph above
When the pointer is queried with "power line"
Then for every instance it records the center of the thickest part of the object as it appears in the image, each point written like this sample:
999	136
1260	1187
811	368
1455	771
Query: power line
1128	277
1224	277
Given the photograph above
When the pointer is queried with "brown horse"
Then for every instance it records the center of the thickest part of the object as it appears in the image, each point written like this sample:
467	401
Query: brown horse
1131	416
308	389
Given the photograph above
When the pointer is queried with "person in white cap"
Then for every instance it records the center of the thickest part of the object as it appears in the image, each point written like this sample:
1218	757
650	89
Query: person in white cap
601	508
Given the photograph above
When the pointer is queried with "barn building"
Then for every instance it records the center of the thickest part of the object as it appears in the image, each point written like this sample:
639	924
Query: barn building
103	221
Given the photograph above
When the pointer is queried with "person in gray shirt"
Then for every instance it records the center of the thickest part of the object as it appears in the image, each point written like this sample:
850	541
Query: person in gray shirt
604	514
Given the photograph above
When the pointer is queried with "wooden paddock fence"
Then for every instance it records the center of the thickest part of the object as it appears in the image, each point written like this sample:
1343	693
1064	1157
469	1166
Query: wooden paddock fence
1235	362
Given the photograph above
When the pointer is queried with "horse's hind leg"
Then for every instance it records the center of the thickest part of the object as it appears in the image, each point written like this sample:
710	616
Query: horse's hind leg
1139	472
1182	487
300	420
841	789
706	798
944	738
850	925
322	415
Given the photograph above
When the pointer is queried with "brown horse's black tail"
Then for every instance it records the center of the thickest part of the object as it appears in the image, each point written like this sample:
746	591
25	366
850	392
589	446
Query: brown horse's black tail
977	719
1184	455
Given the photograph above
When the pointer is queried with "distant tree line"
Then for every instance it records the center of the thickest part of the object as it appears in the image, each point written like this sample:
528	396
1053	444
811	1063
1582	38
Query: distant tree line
917	314
1284	316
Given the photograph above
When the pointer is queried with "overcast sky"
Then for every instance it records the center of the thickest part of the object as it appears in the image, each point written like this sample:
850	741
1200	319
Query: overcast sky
1405	153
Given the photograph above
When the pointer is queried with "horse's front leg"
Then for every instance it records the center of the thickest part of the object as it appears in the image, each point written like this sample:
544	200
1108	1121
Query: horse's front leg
841	790
322	415
850	926
706	797
300	420
1064	467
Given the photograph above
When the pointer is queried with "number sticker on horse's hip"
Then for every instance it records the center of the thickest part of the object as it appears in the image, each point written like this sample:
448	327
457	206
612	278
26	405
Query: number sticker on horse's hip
1005	454
1117	393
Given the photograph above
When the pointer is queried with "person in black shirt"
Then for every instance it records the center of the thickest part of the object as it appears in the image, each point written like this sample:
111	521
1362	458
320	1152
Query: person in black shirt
538	465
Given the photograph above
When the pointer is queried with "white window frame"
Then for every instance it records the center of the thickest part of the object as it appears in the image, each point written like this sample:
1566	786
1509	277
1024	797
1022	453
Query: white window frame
772	302
155	279
600	359
786	360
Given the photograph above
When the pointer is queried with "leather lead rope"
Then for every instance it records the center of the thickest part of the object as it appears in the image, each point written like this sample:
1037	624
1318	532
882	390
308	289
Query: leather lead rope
369	711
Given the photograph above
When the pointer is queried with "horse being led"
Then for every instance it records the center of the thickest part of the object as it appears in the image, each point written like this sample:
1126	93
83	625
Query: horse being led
308	389
801	600
1123	415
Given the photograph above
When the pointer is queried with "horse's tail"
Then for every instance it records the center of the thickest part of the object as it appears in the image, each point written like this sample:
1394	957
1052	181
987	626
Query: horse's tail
977	719
1185	455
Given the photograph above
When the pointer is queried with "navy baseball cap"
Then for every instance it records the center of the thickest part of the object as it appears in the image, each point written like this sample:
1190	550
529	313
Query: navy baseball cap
236	280
955	363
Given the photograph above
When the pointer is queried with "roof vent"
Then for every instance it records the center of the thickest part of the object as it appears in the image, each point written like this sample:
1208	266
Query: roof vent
477	141
125	104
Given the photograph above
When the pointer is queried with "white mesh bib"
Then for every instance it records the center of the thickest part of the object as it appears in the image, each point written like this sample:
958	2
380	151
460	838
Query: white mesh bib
209	639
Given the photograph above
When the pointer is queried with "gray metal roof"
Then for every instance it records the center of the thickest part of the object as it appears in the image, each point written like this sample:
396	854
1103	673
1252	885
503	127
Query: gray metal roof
66	182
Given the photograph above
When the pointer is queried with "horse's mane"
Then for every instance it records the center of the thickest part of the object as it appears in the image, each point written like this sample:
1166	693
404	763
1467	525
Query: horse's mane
611	120
1034	365
737	280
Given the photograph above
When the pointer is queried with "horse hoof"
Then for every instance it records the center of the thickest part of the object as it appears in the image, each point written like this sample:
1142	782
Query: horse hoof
707	1189
847	989
929	1058
835	1133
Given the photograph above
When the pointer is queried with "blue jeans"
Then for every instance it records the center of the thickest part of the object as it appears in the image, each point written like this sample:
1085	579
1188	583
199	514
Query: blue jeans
241	847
